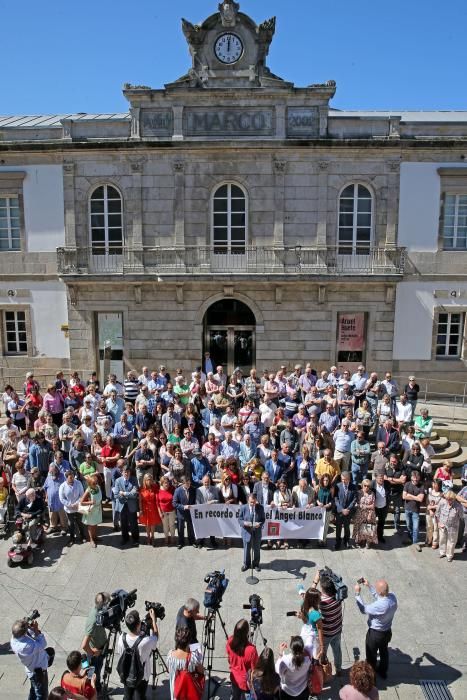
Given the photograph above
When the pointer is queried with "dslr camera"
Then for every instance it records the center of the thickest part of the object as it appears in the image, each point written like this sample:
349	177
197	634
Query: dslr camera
32	616
255	606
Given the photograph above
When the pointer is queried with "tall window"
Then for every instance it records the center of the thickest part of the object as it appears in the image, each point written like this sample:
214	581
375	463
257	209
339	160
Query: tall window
355	220
455	222
16	342
449	335
106	221
9	223
229	232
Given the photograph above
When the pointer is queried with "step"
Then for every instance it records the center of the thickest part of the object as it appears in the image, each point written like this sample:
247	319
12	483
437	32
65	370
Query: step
458	461
451	451
434	435
439	444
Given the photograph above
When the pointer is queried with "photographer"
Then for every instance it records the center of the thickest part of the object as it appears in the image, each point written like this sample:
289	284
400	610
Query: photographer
29	645
380	615
242	657
76	680
331	613
186	617
95	638
135	642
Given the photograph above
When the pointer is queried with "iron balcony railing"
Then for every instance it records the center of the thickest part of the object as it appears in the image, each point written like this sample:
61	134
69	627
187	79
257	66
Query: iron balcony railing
242	260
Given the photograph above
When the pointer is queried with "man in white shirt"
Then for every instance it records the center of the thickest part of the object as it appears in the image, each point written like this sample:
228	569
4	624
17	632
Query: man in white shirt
403	412
8	427
144	377
267	411
146	645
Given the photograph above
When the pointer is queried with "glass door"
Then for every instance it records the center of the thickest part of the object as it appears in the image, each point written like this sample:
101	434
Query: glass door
243	349
217	345
229	211
231	347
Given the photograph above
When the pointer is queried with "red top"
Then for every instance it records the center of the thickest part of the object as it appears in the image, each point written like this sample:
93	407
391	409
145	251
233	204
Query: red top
149	515
240	666
164	500
108	451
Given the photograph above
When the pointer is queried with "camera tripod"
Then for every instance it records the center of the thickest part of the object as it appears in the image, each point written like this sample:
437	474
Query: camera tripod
255	632
209	643
157	659
109	653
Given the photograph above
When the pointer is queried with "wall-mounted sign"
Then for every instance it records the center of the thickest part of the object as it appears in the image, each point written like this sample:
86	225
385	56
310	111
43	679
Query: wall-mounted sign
234	121
303	122
350	339
156	122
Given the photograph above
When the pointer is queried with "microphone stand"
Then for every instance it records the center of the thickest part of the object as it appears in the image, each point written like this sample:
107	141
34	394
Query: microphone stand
252	579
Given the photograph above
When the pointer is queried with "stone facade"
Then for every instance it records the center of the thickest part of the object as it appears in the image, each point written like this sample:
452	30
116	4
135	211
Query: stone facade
229	120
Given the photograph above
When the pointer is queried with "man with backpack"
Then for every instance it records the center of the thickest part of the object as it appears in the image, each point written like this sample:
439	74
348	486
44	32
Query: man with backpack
135	648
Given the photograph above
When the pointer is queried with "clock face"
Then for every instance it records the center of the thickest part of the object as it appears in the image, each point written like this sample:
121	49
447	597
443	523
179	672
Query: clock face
228	48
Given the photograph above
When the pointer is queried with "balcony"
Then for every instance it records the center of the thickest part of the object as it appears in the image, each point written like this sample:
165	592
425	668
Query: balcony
249	260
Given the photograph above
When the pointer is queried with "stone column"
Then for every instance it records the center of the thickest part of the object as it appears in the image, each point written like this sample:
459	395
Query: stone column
135	133
393	180
179	202
281	126
279	201
69	204
134	246
178	123
321	229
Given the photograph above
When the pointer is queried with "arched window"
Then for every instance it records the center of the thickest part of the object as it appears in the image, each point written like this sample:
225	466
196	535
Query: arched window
229	220
355	220
106	221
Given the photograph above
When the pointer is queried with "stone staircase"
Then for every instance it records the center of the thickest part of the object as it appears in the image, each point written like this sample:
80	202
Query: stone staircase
447	448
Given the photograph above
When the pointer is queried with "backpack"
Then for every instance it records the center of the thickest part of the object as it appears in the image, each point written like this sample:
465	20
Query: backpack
130	668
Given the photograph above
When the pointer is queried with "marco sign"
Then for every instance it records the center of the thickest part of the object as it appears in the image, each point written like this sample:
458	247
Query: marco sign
236	121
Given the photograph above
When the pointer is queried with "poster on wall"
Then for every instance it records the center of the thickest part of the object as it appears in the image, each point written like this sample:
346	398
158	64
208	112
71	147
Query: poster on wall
350	340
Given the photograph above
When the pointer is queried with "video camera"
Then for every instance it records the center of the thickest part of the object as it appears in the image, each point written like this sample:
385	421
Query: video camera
217	584
340	587
159	612
256	609
32	616
112	613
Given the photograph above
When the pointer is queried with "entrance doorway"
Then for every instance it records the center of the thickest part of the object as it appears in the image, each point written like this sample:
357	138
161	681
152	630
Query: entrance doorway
229	335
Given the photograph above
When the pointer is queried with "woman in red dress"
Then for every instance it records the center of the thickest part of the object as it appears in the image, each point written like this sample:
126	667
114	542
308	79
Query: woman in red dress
148	510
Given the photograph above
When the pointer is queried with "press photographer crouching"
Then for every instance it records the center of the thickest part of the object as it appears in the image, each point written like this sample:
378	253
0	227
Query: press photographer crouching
30	646
135	648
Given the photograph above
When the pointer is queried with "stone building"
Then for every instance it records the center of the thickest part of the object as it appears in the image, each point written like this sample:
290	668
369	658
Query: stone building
233	212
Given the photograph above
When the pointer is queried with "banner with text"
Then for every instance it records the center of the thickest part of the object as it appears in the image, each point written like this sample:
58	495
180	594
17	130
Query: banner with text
220	520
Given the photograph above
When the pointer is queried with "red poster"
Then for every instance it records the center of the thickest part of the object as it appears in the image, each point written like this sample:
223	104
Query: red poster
351	332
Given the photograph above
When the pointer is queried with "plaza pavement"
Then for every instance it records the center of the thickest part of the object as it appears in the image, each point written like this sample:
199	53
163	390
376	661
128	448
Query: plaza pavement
429	638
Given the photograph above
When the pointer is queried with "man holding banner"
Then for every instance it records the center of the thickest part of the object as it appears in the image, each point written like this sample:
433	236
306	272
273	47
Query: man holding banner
251	519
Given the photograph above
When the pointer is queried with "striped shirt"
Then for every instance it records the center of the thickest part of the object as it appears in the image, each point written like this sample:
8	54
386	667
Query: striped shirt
131	389
331	611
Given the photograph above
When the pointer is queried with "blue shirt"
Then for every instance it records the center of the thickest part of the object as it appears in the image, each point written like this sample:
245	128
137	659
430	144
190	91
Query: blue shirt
343	440
380	612
52	486
31	652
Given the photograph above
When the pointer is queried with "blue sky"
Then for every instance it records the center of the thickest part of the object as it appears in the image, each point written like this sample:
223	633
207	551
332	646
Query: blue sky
74	57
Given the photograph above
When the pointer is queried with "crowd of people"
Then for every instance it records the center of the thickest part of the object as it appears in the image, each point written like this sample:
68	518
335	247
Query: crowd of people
151	447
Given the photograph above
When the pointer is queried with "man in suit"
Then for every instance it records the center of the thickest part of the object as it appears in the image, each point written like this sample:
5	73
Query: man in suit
274	468
251	519
389	435
264	490
184	497
126	497
207	493
345	501
382	490
209	416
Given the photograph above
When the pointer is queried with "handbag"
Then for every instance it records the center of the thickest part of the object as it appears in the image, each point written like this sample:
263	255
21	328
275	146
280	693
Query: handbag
84	508
369	529
315	678
189	685
326	665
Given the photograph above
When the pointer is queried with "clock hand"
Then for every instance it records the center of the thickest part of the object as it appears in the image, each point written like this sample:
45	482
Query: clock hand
228	44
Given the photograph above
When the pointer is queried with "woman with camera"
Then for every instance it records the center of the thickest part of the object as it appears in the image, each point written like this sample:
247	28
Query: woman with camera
242	657
312	630
293	668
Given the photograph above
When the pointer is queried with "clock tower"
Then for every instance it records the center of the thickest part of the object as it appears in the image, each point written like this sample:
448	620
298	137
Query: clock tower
229	50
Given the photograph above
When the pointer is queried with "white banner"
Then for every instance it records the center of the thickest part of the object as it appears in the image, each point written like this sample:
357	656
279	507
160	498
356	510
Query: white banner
220	520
